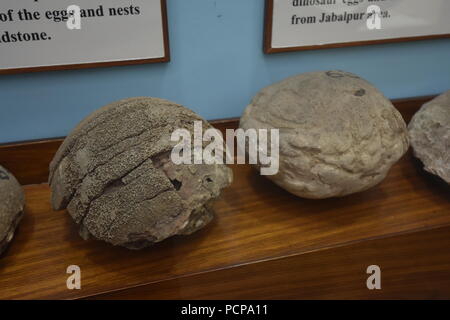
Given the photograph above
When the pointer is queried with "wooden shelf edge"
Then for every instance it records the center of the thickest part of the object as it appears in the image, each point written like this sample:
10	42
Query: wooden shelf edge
426	242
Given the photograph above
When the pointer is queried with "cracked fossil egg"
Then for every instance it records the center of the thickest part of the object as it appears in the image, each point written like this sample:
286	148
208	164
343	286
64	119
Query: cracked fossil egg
115	176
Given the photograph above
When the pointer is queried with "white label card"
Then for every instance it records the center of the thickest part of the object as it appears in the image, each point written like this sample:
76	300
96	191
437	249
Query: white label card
54	33
310	24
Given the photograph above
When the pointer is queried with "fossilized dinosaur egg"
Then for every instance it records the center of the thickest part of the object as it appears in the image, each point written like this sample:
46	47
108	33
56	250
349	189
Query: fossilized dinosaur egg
115	176
12	202
338	134
429	131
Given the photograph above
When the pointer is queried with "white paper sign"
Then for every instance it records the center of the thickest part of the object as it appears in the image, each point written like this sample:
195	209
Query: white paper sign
311	24
36	33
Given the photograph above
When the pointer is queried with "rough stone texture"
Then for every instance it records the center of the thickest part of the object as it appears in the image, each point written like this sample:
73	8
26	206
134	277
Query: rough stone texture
114	175
338	134
429	131
12	202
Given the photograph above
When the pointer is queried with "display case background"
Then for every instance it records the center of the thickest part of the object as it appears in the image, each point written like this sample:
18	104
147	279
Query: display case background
217	66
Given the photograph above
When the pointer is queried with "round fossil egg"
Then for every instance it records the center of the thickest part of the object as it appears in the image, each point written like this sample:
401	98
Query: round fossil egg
429	131
338	134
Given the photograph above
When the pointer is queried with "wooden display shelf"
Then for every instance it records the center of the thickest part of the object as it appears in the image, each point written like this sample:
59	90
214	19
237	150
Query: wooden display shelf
265	243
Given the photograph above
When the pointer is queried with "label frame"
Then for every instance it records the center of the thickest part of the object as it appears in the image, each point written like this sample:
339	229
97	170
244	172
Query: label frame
269	49
166	58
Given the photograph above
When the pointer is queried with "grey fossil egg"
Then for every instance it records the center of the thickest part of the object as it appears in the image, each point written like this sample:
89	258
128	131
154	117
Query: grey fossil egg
338	134
12	202
115	177
429	131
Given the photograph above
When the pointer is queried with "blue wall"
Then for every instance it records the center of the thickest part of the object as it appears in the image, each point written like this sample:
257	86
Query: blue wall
217	66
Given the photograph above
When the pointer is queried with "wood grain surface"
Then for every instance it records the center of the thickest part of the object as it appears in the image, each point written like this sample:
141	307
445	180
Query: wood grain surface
414	266
258	224
264	243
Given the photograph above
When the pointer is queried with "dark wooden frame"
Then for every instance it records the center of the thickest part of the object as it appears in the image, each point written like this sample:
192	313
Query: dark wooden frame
166	57
268	27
